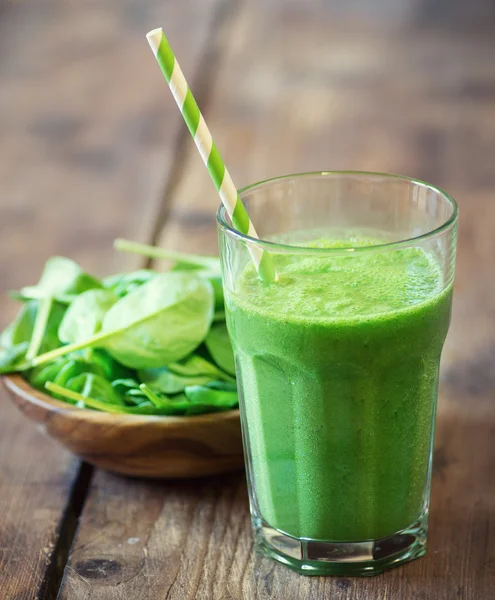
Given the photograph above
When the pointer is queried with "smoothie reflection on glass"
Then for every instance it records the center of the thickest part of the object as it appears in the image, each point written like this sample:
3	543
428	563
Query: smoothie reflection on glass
338	361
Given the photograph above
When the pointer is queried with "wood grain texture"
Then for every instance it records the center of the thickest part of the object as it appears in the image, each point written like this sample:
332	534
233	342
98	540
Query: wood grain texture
144	446
33	497
308	93
86	138
84	144
193	539
143	540
325	86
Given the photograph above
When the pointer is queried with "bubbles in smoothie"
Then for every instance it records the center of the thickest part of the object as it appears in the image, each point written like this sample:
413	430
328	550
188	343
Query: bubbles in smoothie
353	285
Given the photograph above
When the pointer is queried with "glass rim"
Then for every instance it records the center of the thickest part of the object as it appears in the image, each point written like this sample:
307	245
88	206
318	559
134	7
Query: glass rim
279	248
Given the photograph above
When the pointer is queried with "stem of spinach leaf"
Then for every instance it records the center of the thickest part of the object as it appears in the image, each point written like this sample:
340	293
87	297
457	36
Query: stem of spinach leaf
34	293
196	260
40	323
53	354
94	340
162	402
152	397
91	402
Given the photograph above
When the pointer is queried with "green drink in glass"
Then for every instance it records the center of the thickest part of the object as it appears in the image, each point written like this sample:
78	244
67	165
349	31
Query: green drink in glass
338	364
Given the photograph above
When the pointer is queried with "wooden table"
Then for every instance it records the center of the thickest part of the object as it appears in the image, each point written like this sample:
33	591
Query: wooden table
92	147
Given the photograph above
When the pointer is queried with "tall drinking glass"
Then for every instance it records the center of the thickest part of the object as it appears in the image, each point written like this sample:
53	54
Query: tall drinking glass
337	363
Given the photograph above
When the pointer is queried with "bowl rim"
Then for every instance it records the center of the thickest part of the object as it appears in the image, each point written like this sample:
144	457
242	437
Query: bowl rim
18	386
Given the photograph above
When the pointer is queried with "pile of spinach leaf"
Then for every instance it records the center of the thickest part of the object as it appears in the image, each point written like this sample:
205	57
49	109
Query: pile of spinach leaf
145	342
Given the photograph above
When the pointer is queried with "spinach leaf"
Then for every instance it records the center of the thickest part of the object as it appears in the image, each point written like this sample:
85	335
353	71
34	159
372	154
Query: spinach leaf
84	316
12	358
94	386
195	365
38	376
61	277
110	368
223	386
216	281
92	391
122	386
128	390
40	326
65	299
50	339
218	345
70	369
160	322
123	283
61	370
212	396
82	399
6	335
137	343
21	329
219	316
166	381
135	396
33	330
36	326
165	405
155	399
146	408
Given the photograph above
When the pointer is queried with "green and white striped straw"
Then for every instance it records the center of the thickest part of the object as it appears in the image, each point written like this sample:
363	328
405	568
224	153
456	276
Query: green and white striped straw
208	150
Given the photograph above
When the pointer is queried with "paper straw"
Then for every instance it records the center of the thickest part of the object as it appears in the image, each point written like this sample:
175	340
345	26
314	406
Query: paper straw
208	150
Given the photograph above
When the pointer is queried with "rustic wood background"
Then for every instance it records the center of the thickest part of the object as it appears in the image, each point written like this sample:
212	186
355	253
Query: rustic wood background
92	147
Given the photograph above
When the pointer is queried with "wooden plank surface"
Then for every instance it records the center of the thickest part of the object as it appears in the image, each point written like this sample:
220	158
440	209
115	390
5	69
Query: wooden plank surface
325	89
315	88
85	142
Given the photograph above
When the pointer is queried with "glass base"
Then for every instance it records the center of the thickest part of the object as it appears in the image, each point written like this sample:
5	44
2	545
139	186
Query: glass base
316	557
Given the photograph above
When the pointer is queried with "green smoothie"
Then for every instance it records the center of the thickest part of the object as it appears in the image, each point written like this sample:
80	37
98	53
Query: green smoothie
338	363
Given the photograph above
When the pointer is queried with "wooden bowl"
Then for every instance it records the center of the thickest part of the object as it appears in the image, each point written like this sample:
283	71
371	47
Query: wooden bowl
143	446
